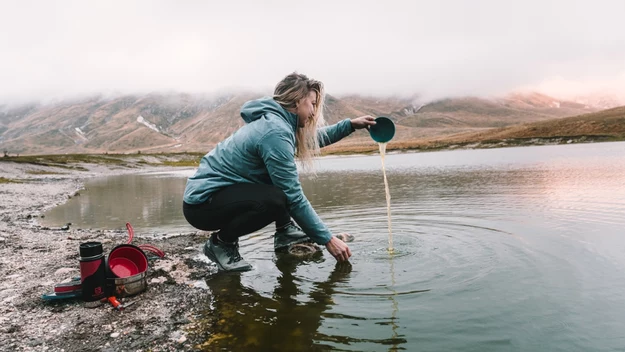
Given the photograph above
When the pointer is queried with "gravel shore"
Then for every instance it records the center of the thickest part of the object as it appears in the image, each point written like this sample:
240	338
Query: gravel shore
33	258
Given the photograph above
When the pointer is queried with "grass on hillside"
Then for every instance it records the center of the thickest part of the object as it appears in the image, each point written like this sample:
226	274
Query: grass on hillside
9	180
69	161
181	163
43	172
62	160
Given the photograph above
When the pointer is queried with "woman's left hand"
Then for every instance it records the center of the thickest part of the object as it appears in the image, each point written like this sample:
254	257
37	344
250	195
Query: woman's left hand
363	122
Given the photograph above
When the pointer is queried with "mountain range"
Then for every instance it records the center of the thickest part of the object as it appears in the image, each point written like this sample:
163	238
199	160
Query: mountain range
195	123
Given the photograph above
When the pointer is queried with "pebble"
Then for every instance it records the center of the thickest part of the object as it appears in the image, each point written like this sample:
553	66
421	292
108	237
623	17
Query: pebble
34	342
7	291
165	265
115	334
201	284
65	271
158	280
9	299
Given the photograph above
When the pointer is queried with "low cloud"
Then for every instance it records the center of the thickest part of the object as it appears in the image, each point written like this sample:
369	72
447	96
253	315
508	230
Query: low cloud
445	48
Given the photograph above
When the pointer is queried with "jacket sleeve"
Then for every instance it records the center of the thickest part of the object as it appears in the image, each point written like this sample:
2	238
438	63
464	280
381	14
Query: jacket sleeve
334	133
277	151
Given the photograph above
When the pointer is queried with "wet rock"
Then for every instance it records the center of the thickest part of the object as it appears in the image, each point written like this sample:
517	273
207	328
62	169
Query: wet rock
345	237
178	336
182	321
303	249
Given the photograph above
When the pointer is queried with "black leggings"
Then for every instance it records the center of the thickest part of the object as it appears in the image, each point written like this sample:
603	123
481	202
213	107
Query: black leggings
238	210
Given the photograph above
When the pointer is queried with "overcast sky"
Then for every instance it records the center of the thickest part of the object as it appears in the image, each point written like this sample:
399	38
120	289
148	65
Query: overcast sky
51	49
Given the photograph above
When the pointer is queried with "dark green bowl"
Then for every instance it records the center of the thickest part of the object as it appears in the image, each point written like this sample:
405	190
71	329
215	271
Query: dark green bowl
383	130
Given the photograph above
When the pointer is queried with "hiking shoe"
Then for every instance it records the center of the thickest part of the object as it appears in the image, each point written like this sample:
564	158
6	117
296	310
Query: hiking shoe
289	235
226	256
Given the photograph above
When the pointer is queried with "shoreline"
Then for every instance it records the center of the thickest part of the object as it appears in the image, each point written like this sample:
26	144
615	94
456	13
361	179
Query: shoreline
446	145
191	158
34	258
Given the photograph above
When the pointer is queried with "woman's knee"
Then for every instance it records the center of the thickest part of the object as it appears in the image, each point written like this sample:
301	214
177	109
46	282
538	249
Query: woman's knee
277	198
198	219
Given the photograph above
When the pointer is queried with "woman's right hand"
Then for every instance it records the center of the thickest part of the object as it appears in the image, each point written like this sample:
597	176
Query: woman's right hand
338	249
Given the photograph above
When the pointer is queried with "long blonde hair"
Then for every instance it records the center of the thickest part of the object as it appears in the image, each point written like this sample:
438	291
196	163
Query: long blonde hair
287	93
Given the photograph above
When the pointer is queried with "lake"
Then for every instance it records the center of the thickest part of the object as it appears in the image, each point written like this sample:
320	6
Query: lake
495	250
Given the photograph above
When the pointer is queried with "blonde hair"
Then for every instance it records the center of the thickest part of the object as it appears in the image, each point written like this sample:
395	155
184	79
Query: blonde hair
287	93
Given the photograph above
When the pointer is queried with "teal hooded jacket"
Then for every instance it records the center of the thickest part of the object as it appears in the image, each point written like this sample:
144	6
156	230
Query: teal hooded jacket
263	152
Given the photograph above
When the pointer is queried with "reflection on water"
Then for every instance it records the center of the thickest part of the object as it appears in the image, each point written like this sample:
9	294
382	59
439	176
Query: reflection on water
241	319
150	203
507	249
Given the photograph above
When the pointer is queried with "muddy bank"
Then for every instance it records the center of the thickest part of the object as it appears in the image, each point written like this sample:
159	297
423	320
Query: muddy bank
33	258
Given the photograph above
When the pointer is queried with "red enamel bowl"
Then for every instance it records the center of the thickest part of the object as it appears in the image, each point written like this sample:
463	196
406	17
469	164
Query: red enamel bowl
127	260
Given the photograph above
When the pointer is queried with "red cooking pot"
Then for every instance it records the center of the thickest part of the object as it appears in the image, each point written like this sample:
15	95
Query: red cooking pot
127	260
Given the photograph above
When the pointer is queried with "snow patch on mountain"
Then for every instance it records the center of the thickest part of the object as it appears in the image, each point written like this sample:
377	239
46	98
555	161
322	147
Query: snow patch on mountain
80	133
147	123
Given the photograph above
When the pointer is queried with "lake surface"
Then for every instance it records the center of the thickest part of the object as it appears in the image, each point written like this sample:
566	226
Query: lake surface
516	249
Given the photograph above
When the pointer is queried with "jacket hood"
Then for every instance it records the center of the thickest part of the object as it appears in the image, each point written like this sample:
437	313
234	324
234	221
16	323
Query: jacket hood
255	109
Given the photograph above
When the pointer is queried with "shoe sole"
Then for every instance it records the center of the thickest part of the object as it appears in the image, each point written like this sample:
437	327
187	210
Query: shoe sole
211	256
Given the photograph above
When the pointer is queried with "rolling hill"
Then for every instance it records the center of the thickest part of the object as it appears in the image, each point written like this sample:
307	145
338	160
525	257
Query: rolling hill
605	125
184	122
609	124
